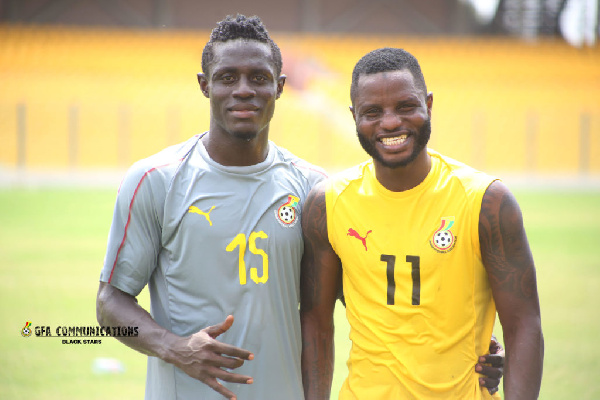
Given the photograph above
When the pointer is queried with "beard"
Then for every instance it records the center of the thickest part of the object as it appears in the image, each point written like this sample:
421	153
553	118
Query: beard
421	139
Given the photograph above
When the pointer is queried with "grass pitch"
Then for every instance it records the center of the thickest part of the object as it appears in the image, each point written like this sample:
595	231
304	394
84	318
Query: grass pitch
52	244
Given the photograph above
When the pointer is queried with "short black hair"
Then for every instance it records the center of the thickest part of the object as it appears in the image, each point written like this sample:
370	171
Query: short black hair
387	59
240	27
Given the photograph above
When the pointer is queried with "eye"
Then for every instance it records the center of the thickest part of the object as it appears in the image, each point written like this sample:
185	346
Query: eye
227	78
407	107
260	78
371	113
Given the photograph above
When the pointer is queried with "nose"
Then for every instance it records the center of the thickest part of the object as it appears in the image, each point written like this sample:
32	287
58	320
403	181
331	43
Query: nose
244	89
390	121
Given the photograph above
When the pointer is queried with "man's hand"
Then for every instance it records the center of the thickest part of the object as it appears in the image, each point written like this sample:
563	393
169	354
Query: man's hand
491	366
200	355
203	357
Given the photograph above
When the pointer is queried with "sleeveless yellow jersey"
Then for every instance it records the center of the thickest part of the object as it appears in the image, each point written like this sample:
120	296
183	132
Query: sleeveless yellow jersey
418	300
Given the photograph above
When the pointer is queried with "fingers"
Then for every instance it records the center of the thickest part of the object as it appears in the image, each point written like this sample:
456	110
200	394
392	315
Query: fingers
219	361
216	330
495	346
214	368
211	374
221	348
491	367
217	387
207	361
214	384
493	343
232	352
489	383
495	360
203	357
493	390
489	372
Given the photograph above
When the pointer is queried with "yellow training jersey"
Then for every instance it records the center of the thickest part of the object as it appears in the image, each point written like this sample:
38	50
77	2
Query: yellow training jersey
418	300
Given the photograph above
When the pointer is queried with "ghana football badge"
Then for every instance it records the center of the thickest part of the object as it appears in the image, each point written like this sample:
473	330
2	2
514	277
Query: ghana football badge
443	240
26	331
286	213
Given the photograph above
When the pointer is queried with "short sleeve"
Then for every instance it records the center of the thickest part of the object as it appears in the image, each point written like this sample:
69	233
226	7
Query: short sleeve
134	239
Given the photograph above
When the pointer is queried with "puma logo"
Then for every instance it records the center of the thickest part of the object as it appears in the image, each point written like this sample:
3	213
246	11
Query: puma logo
353	233
194	209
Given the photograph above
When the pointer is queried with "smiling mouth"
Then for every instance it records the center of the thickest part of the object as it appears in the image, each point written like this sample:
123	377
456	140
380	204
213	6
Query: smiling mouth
393	141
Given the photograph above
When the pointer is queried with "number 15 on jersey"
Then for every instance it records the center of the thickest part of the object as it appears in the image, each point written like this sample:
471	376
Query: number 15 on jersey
241	242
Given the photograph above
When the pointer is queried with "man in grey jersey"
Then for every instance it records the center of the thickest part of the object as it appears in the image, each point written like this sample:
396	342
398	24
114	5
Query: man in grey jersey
212	227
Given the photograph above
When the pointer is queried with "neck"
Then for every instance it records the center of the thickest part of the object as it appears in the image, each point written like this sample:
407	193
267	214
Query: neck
404	178
234	151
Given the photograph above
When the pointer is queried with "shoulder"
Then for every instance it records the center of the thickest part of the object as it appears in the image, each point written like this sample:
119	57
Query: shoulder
499	204
312	173
157	169
350	177
471	179
314	215
353	173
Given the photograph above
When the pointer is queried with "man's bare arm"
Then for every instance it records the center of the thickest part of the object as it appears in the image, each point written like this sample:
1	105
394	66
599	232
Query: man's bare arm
511	273
320	284
200	355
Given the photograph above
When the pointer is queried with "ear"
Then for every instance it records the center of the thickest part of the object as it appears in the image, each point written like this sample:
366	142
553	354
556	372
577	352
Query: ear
280	84
203	81
429	103
353	114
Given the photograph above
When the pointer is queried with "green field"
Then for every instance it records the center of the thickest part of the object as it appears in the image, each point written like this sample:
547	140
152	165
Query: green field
52	244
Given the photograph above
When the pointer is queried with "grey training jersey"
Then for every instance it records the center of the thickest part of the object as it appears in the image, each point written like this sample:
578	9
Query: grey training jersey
209	241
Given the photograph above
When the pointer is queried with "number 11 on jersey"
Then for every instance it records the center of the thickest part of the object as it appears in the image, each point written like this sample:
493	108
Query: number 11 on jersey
415	262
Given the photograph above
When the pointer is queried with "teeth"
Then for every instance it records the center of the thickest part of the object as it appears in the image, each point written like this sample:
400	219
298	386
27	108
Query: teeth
390	141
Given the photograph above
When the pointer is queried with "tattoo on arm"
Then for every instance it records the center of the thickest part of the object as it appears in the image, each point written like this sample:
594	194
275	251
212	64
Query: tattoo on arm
314	230
320	281
504	247
511	272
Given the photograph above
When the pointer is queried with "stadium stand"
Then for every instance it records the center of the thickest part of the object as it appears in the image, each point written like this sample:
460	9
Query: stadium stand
95	98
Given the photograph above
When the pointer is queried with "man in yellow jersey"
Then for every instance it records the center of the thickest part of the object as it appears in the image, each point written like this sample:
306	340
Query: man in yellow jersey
426	250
